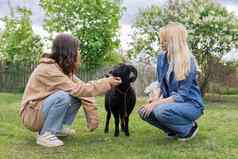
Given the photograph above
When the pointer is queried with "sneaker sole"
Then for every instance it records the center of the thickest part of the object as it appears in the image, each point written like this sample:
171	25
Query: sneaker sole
48	145
62	135
171	137
190	138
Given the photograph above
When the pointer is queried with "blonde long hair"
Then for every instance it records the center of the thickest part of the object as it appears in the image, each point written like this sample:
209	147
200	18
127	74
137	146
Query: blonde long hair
173	40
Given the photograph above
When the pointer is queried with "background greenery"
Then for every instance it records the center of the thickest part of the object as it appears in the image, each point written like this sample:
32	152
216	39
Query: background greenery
95	23
18	42
213	31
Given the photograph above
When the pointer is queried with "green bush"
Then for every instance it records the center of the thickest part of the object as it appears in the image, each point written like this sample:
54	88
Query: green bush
95	23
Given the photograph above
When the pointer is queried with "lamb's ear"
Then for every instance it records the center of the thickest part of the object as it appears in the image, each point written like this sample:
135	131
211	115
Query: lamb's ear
133	73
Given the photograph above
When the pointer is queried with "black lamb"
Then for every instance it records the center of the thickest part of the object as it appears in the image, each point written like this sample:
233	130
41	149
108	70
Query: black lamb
121	100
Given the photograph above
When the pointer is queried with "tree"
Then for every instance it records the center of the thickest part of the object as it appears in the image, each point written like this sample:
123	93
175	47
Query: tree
213	31
95	23
18	43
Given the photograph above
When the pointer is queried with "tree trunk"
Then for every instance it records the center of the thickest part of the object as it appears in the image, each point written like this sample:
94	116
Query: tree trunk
204	87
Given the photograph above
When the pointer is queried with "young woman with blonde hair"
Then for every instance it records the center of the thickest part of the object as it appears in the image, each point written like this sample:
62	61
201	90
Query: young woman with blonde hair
179	103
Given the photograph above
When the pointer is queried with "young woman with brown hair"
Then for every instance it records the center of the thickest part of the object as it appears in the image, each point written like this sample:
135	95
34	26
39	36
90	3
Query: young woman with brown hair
52	96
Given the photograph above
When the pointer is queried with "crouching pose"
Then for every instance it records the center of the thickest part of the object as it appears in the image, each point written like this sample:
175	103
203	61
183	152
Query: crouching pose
53	94
178	103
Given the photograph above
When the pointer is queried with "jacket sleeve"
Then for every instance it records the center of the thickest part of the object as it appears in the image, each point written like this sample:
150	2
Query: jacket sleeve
93	88
158	65
157	69
90	109
55	79
185	85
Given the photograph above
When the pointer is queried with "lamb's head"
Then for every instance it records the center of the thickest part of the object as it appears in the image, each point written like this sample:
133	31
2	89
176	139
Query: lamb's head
127	73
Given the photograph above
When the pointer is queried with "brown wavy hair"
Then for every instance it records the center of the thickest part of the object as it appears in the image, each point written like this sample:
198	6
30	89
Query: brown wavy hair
65	52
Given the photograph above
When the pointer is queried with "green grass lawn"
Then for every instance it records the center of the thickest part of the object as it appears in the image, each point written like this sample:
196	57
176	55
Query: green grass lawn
217	138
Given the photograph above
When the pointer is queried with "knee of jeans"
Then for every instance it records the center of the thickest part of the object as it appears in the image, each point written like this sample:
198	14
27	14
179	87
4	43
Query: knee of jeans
64	97
161	114
78	101
77	105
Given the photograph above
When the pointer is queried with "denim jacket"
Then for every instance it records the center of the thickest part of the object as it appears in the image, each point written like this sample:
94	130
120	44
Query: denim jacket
186	90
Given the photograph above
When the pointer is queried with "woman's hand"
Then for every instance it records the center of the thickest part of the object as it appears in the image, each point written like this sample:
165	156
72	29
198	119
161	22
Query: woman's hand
76	88
154	103
152	99
149	107
115	81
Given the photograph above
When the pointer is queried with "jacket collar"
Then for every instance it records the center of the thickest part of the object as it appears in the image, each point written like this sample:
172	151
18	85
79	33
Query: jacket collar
47	60
163	65
163	68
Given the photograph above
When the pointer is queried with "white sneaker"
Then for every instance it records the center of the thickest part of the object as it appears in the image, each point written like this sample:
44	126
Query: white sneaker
48	140
66	132
171	136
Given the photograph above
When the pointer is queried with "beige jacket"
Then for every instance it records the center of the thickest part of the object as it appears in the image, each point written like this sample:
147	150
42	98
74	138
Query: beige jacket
46	79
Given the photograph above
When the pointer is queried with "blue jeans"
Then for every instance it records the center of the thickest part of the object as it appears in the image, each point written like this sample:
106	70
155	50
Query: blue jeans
59	109
176	118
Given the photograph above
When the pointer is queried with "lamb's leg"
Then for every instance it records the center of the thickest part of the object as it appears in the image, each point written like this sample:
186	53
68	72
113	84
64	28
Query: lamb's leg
122	122
127	126
107	122
116	116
